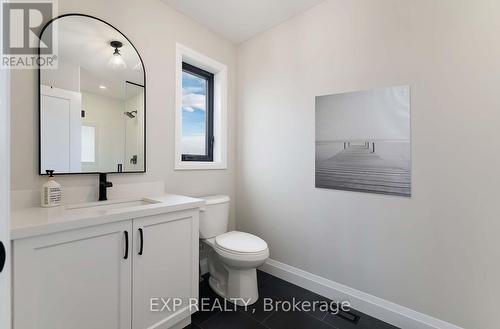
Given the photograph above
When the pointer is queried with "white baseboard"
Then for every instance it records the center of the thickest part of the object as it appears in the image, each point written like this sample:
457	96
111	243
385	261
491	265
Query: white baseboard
379	308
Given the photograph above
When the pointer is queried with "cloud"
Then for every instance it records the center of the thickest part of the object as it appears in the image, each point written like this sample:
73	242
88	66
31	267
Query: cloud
190	102
192	90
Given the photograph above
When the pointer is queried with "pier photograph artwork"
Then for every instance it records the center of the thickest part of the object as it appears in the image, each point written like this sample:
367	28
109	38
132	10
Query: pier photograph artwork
363	141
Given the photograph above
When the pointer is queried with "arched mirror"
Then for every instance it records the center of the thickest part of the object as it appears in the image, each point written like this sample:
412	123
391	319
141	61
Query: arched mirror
92	100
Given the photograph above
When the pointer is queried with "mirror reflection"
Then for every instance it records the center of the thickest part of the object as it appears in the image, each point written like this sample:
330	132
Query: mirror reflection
92	106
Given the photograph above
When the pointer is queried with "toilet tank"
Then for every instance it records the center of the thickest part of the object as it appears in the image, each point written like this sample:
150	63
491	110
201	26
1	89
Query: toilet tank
214	218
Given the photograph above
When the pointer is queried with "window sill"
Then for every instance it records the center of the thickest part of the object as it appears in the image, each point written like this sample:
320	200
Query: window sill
194	165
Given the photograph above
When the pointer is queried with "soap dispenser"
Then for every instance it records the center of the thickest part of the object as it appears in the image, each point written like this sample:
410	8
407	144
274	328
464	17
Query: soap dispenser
51	192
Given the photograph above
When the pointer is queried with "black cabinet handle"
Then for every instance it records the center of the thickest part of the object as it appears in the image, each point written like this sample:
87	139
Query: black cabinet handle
141	236
126	245
3	256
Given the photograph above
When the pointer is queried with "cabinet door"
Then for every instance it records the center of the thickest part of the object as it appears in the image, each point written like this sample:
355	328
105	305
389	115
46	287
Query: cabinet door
166	268
77	279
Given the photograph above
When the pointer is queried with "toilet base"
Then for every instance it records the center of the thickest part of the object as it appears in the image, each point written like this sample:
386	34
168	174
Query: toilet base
236	284
241	287
217	287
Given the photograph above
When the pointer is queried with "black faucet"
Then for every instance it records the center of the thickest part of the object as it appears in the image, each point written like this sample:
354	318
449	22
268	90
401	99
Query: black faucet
103	187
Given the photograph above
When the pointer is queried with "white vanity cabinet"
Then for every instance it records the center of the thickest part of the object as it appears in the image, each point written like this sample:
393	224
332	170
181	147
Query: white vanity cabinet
104	276
166	267
75	279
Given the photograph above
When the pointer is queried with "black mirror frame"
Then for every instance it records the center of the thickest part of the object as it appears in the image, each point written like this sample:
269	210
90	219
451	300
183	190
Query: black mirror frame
40	101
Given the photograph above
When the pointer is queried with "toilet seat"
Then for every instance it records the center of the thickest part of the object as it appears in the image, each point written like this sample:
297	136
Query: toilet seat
240	243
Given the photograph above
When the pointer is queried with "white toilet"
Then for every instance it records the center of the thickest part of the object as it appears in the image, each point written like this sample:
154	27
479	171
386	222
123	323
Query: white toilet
232	256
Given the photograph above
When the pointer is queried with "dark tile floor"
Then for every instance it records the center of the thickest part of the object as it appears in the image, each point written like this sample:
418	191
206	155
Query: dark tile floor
257	317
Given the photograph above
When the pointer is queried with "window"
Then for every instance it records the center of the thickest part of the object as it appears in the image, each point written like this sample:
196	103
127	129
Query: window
197	114
201	111
88	143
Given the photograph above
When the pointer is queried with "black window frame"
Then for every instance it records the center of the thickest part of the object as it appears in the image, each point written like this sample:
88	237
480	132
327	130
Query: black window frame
209	132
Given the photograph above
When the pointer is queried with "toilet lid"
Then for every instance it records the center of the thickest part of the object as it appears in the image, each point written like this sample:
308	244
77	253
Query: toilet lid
240	242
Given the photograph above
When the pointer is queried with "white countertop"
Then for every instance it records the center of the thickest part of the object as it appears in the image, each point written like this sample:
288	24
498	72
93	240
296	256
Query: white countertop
39	221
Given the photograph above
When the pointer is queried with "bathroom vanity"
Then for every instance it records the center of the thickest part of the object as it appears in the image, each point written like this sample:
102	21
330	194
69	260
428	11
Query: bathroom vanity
108	264
98	265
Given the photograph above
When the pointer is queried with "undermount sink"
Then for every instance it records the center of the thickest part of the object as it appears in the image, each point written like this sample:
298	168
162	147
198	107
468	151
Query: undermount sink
111	205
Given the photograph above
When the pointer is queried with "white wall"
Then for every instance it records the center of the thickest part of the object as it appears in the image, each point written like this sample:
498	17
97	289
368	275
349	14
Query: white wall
437	252
67	76
106	115
154	28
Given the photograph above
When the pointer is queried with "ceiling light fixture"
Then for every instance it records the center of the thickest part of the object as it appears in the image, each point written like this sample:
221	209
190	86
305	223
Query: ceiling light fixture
103	87
116	60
